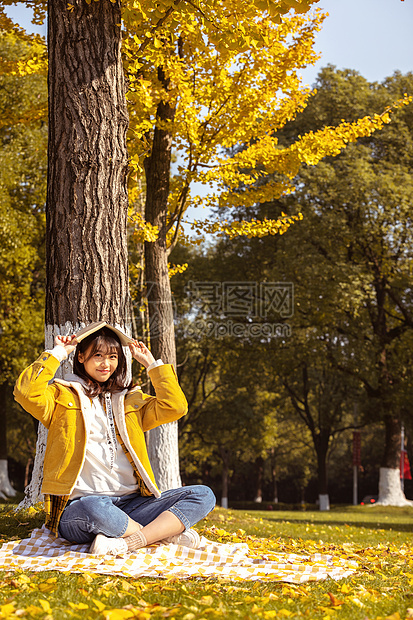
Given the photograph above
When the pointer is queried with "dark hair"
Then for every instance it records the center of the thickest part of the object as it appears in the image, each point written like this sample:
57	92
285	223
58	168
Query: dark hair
106	341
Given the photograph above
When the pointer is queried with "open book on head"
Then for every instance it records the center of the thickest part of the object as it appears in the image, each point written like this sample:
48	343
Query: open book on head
94	327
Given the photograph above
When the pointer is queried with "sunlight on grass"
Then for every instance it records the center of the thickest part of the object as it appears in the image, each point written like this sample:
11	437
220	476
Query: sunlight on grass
380	539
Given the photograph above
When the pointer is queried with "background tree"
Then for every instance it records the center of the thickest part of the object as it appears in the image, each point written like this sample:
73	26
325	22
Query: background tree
250	359
350	262
366	214
23	142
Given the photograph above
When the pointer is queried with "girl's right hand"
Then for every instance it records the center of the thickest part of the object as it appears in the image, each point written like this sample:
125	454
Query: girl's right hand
141	353
67	342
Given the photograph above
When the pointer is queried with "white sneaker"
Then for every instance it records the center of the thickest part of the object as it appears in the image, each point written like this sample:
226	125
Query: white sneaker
190	538
102	545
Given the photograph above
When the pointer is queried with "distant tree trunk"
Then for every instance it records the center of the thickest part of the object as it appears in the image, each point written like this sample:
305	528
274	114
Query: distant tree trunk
390	490
321	441
6	490
224	476
274	476
392	447
163	441
87	262
259	464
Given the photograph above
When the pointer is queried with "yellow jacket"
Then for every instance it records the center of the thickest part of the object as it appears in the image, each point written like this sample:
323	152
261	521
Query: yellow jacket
64	409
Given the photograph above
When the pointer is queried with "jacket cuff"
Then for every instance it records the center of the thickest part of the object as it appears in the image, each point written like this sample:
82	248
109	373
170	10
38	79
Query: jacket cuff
58	352
161	372
155	365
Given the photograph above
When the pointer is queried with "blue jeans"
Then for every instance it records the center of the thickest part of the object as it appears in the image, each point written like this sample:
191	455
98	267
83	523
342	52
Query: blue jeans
85	517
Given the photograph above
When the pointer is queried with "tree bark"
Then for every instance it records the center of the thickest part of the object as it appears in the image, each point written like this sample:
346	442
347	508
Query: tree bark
259	465
321	445
87	261
391	455
390	490
86	210
224	476
163	441
274	476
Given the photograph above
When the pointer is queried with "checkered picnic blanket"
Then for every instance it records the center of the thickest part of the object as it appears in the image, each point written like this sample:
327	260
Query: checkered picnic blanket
42	551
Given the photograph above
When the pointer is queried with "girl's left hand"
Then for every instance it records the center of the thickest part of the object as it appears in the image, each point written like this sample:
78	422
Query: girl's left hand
141	353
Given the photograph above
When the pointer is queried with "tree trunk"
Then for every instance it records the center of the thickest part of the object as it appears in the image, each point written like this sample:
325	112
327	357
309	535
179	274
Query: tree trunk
224	476
163	441
391	456
86	211
259	464
87	260
321	446
390	490
6	490
274	476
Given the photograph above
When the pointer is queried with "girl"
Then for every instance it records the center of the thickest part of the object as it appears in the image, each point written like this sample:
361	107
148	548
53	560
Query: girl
98	483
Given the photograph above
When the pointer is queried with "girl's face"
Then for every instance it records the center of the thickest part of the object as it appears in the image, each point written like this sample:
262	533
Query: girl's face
101	365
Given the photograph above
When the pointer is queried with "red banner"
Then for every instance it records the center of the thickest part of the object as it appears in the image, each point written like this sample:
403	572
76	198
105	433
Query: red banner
356	448
405	466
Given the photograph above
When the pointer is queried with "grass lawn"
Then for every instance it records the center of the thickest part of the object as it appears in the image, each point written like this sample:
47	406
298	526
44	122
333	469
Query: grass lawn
380	539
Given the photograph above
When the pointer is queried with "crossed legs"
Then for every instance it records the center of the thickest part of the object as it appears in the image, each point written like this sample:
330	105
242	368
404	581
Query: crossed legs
135	521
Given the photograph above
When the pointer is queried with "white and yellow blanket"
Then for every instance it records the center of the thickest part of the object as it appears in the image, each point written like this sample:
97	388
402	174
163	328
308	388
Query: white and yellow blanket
42	551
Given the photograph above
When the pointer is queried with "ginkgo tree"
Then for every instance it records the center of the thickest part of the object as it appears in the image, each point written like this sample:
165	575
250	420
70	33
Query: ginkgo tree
203	78
222	76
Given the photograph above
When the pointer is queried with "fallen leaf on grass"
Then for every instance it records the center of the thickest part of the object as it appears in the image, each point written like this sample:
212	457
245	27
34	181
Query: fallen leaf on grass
100	606
117	614
120	614
256	610
334	601
78	605
89	577
33	610
7	609
395	616
47	587
45	606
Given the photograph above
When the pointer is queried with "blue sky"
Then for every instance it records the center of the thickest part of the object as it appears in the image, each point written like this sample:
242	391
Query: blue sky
372	36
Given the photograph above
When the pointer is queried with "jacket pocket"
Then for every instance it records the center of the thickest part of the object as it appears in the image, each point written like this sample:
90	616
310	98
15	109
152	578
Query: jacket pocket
67	411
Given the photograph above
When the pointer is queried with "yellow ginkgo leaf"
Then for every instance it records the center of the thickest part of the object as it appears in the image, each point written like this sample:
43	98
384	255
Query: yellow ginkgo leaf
47	587
6	610
45	605
78	605
100	606
119	614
